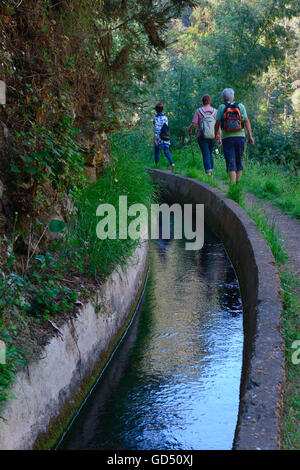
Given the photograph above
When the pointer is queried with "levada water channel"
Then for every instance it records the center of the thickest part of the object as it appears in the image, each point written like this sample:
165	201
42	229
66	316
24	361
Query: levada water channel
174	381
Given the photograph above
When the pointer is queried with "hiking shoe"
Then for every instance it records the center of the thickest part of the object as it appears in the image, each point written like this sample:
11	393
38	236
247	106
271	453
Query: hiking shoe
172	166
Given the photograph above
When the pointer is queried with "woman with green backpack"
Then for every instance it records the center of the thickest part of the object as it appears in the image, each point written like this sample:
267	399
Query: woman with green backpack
204	119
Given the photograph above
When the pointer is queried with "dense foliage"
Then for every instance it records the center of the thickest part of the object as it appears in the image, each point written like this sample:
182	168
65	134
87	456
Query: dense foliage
72	59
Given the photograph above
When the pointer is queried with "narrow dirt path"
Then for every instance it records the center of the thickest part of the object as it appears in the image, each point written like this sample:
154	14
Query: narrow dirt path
288	227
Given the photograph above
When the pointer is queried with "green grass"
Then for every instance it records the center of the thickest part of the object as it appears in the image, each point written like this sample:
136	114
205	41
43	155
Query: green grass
235	192
291	332
275	183
270	233
125	177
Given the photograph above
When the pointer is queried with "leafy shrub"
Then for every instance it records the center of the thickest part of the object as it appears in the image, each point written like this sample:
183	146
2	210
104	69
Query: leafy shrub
42	154
13	361
50	299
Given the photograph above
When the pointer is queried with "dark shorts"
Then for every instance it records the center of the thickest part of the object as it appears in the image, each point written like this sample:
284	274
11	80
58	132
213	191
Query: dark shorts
233	148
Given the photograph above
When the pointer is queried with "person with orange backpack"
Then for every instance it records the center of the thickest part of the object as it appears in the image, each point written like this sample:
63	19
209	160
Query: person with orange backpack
232	119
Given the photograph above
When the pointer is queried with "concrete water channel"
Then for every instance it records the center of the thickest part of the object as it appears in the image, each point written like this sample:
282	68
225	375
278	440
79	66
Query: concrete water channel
174	381
180	419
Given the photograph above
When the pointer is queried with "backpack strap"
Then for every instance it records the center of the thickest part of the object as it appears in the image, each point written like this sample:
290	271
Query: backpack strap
228	105
235	104
205	112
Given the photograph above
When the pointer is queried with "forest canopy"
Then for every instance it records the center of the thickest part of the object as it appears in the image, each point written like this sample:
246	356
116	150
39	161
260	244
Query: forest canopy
250	46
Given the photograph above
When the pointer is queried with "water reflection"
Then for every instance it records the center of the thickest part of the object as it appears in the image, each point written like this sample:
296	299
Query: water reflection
174	382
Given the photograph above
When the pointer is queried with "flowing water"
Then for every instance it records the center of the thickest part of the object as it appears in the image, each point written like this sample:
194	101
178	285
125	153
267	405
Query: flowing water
174	381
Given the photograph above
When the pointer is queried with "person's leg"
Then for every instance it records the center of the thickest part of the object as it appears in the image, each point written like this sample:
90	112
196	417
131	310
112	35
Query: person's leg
204	146
167	154
239	150
229	154
156	154
232	177
238	176
211	144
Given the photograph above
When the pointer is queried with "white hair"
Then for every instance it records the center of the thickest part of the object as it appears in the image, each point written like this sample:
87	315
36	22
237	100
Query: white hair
228	94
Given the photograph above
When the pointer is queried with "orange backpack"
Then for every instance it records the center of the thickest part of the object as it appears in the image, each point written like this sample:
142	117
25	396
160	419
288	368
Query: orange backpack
232	118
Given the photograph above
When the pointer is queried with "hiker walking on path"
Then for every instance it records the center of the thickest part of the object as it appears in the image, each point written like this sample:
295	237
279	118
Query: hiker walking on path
204	119
232	119
161	135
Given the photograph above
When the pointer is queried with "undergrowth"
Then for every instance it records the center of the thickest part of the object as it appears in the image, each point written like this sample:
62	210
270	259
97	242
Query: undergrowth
55	282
